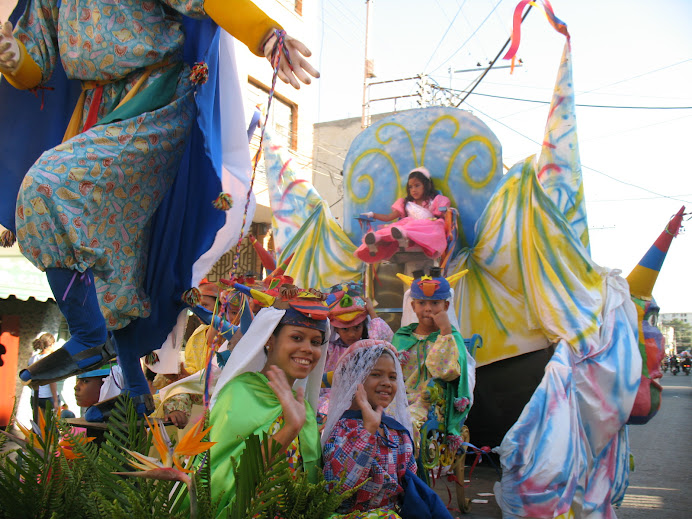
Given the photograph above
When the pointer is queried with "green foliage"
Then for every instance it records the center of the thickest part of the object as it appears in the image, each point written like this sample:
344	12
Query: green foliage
40	482
266	489
682	331
36	482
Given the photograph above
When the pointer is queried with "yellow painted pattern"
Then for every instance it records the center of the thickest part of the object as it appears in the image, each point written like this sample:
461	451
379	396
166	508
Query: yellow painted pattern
323	254
531	282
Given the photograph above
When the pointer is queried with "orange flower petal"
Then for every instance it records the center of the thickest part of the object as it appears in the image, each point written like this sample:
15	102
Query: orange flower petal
159	443
191	443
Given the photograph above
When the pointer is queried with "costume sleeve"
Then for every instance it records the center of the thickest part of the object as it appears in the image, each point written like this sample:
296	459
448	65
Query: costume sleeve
195	350
400	207
180	402
443	358
380	330
242	19
37	35
438	202
408	459
350	447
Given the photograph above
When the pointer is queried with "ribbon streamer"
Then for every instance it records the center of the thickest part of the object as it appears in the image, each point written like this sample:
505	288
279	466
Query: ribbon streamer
557	24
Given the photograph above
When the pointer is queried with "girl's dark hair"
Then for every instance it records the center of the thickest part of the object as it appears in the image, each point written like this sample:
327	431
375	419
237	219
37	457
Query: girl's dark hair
149	374
430	191
277	330
365	329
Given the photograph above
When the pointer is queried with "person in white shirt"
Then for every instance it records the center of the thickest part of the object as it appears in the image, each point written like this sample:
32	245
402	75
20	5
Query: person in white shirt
43	346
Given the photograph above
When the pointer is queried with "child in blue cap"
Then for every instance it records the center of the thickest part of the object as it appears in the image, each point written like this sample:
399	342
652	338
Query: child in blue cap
433	356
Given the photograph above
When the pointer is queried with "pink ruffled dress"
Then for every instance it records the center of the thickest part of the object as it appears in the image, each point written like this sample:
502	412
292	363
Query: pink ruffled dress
421	224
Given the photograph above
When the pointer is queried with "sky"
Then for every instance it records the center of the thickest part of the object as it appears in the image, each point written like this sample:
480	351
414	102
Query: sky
635	161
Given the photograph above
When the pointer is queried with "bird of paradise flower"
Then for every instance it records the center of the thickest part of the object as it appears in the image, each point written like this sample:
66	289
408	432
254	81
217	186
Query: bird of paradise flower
38	438
169	467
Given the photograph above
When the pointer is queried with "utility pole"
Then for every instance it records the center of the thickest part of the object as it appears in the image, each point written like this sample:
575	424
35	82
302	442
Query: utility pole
367	70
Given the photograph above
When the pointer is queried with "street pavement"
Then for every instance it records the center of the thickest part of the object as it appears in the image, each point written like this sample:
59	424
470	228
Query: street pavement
660	486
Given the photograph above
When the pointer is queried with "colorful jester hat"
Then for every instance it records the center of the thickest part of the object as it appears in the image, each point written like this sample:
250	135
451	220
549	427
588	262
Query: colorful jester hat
651	342
432	286
302	307
643	277
346	306
207	288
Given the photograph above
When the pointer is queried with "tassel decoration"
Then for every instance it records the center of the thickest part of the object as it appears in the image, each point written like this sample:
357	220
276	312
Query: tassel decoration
199	73
7	238
192	297
460	404
223	202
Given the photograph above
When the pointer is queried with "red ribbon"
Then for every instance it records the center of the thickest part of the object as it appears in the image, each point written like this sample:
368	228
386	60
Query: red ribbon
557	24
93	115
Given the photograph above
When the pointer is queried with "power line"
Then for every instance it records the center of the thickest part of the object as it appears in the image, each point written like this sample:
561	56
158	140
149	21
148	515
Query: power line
630	199
637	76
360	25
432	55
634	129
472	35
581	93
658	195
494	60
576	104
576	92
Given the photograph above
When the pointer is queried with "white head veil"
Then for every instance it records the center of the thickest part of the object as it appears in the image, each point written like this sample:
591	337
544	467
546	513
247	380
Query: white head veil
112	384
249	355
354	366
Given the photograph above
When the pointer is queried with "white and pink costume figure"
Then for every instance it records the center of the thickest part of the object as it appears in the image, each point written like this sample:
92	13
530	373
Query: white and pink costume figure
420	222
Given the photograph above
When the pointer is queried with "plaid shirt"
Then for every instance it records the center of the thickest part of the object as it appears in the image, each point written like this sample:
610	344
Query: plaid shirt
383	457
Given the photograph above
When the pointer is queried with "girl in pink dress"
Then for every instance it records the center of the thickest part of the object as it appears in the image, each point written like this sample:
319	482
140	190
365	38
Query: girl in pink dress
419	223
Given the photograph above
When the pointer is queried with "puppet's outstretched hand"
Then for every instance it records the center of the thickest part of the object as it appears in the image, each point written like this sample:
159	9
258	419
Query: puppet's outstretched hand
9	49
299	68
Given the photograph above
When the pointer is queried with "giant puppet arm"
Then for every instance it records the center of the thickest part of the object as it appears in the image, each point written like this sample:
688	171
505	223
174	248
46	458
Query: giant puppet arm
240	18
19	69
248	23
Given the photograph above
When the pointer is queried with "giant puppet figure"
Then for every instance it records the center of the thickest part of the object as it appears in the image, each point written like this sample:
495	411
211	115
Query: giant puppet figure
143	134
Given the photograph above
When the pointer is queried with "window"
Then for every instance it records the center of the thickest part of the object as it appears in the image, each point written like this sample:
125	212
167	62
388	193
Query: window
282	115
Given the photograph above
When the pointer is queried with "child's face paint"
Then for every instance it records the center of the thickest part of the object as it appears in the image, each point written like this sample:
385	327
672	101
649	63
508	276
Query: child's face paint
380	385
351	334
416	188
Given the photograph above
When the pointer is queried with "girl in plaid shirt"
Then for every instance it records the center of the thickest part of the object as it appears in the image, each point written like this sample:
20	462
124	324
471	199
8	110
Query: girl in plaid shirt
368	429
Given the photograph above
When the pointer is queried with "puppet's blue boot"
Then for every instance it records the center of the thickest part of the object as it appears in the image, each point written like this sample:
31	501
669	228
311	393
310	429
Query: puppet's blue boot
136	385
89	346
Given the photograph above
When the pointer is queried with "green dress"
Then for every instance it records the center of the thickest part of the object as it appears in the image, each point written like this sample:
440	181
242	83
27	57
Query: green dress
246	406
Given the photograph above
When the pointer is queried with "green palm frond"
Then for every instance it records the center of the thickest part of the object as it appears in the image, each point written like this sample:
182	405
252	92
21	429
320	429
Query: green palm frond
266	489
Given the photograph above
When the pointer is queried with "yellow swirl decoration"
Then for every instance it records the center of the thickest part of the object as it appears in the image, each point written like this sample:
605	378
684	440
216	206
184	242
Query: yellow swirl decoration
384	142
366	177
473	183
432	127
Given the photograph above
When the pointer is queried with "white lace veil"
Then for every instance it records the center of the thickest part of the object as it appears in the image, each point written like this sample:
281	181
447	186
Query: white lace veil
249	355
353	367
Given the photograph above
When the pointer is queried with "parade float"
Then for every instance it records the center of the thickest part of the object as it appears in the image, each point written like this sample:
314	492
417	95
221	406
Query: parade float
570	336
